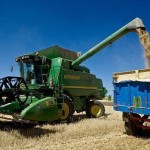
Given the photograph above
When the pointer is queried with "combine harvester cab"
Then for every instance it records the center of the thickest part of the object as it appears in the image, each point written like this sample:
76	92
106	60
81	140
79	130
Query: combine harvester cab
132	97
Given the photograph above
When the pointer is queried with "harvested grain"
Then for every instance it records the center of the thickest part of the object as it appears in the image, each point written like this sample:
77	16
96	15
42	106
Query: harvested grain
145	41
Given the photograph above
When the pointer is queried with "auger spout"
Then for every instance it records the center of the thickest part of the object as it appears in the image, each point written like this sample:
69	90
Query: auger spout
131	26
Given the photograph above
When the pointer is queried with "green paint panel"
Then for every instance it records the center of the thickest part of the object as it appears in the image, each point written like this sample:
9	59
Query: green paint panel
78	83
137	102
10	107
43	110
79	103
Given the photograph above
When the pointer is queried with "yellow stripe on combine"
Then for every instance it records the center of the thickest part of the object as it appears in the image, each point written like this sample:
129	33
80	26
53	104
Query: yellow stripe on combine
100	89
80	87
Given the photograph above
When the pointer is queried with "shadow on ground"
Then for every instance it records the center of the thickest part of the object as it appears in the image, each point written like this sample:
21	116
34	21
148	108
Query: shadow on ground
26	130
34	130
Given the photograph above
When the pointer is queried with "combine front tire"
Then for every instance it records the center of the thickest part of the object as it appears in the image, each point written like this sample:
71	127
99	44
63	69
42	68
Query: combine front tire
68	109
95	109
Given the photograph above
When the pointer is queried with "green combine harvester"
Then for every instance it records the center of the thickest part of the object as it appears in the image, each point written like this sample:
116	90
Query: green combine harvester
53	85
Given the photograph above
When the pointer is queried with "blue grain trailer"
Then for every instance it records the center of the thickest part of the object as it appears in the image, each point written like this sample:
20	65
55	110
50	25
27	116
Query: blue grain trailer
132	98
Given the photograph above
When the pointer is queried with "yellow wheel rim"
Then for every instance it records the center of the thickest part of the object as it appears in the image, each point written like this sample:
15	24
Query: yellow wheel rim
96	110
65	108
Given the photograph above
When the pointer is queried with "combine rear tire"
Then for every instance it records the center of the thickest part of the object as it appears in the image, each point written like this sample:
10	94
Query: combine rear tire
68	110
95	109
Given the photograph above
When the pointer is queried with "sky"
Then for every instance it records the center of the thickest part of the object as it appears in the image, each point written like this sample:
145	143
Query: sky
27	26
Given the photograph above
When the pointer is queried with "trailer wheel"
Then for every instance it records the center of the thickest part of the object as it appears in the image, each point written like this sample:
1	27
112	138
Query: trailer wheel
131	128
95	109
68	109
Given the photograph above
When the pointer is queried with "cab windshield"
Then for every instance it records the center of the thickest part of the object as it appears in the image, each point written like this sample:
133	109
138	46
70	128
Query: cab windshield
34	69
30	72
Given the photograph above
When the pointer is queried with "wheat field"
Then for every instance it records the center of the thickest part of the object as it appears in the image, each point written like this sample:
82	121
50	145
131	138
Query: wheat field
84	134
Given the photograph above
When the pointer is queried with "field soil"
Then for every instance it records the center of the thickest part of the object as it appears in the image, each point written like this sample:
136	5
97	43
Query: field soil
103	133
